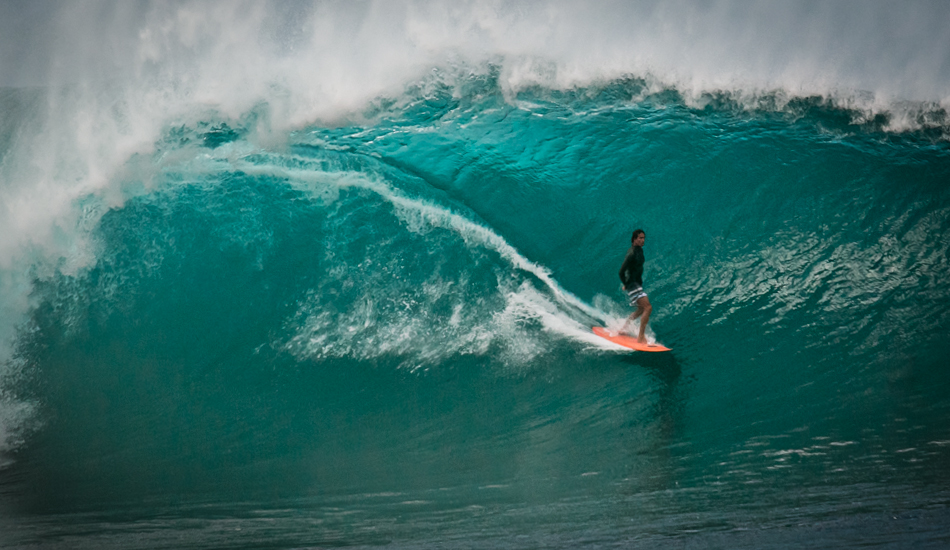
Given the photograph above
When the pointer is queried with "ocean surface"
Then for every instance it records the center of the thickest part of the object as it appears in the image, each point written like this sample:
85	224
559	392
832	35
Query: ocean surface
308	276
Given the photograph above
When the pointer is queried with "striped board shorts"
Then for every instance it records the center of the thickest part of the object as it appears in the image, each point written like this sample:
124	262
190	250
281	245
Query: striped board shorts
635	294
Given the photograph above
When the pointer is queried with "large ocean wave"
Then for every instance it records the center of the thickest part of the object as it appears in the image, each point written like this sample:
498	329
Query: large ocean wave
251	252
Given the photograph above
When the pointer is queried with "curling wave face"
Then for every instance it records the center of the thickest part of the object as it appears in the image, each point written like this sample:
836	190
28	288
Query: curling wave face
325	284
381	244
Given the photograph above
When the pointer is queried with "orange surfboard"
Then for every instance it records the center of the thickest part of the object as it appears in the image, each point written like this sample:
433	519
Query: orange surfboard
628	341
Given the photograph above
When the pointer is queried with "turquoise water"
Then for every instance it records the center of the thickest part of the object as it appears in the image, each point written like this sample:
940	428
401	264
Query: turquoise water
373	329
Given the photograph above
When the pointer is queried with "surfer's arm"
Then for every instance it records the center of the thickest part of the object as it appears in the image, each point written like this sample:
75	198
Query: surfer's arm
625	271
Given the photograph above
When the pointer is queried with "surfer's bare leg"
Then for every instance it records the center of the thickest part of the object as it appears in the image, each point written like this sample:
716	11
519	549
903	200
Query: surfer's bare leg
643	309
632	318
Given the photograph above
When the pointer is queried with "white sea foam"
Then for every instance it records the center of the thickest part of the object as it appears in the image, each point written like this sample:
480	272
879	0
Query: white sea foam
336	49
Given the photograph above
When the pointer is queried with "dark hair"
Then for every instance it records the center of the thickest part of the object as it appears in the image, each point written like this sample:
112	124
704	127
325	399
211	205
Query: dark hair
636	232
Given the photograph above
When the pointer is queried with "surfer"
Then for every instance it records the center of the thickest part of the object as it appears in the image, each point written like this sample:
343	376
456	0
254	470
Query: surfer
631	275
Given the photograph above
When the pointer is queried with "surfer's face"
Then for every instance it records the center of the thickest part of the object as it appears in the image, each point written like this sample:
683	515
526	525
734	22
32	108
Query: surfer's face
640	239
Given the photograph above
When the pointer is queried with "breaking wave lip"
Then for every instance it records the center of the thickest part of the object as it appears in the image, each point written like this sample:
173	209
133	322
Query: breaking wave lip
838	110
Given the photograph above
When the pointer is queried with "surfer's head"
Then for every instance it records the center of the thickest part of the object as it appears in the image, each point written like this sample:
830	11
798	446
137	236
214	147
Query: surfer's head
638	237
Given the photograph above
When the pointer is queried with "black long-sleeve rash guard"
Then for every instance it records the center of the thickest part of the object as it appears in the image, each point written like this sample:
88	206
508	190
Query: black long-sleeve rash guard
631	271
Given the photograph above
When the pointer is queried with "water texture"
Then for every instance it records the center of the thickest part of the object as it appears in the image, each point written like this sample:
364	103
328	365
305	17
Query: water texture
311	275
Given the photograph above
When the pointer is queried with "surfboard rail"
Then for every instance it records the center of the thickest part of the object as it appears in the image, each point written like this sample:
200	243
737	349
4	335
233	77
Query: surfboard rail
627	341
